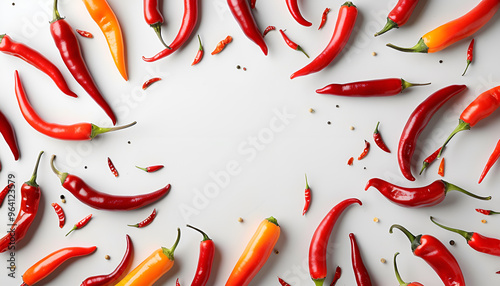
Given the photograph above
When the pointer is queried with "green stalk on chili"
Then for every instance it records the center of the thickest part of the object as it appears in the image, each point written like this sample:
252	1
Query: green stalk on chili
199	54
429	160
378	139
470	55
4	192
153	18
151	169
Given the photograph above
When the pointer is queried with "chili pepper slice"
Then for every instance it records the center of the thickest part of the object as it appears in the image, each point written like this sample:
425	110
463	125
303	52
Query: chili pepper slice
487	212
153	18
336	276
378	139
207	250
470	55
147	221
177	283
283	282
104	280
441	168
256	253
399	15
319	241
199	54
84	34
267	30
151	169
425	196
400	280
360	273
343	28
80	224
112	168
293	7
350	161
456	30
292	44
60	214
433	251
475	240
5	191
307	197
243	14
99	200
9	135
430	159
365	150
324	16
491	161
149	82
222	44
377	87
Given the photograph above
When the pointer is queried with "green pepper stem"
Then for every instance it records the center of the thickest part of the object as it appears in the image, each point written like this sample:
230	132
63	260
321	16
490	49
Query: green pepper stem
205	236
420	47
349	4
319	282
462	125
169	252
468	63
144	169
376	128
405	84
400	280
271	219
157	28
388	26
62	176
467	235
424	166
32	180
452	187
200	47
414	240
96	130
307	184
299	48
74	227
55	13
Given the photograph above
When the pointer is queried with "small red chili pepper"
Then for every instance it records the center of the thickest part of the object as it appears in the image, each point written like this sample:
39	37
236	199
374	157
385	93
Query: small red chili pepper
222	44
268	29
292	44
470	55
350	161
283	282
336	277
205	260
151	169
243	15
491	161
487	212
378	139
80	224
85	34
60	214
177	283
199	54
377	87
399	15
400	280
293	7
430	159
324	16
4	192
425	196
252	3
360	272
153	18
9	135
149	82
365	150
441	168
146	221
307	197
112	167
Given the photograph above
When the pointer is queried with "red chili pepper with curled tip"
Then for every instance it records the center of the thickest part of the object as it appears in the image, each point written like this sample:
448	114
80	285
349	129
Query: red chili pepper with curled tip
441	168
425	196
60	214
283	282
153	18
147	221
149	82
491	161
399	15
487	212
430	159
343	29
416	123
365	150
100	200
80	224
151	169
267	30
400	280
378	139
243	14
336	276
324	16
470	55
377	87
222	44
307	197
112	168
85	34
204	268
292	44
5	191
433	251
9	135
109	279
360	273
350	161
199	54
293	7
319	241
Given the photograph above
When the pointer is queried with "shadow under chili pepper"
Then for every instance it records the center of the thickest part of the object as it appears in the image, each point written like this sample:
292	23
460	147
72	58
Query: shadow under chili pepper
216	263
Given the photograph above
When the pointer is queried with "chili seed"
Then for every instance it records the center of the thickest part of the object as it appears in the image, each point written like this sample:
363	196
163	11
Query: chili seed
374	53
107	257
240	219
63	201
383	260
483	221
337	106
311	110
452	242
375	219
351	127
244	69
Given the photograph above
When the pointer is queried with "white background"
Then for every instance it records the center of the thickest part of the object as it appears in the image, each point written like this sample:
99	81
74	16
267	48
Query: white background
198	120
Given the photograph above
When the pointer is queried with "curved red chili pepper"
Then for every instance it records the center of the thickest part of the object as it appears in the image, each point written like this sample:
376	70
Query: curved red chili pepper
147	221
470	55
243	14
99	200
30	199
343	28
430	159
112	168
207	250
360	273
425	196
267	30
379	141
80	224
34	58
60	214
293	7
416	123
9	135
401	282
188	24
365	150
109	279
319	241
377	87
151	169
399	15
324	16
199	54
491	161
283	282
71	54
222	44
4	192
336	276
84	34
149	82
433	251
153	18
292	44
307	197
78	131
487	212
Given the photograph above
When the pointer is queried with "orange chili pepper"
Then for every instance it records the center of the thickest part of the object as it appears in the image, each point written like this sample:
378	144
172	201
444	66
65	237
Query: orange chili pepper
153	267
101	13
441	168
220	46
256	253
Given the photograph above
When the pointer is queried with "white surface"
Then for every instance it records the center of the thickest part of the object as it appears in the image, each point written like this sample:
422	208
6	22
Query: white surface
199	120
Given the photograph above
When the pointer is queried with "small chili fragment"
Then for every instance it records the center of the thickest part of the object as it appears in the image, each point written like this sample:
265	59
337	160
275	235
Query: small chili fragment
112	168
378	139
283	282
487	212
60	214
292	44
350	161
491	161
5	191
365	151
85	34
441	168
150	82
430	159
146	221
307	196
222	44
470	54
81	223
268	29
199	55
336	277
177	283
324	16
151	169
252	4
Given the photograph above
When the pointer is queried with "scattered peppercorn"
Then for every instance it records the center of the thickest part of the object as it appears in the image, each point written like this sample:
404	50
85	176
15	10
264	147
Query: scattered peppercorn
383	260
238	67
85	167
107	257
62	197
240	219
452	242
375	219
128	142
483	221
364	168
328	123
276	251
440	61
337	106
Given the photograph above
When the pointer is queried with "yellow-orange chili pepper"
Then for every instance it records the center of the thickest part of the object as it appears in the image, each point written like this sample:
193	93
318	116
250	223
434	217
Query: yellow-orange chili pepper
256	253
101	13
222	44
456	30
153	267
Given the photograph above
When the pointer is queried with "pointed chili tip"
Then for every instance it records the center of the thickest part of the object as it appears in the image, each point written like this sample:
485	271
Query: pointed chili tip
368	184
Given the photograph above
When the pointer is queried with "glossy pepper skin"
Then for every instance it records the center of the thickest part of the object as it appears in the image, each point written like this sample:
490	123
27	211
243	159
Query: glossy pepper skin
433	251
256	253
420	197
9	135
293	7
206	258
343	29
399	15
456	30
243	14
376	87
30	200
416	123
360	273
153	18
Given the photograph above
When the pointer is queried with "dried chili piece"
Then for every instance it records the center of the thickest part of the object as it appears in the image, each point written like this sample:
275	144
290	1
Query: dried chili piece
350	161
324	16
470	55
199	54
151	169
268	29
60	214
336	277
150	81
292	44
146	221
283	282
4	192
85	34
378	139
222	44
80	224
365	150
441	168
112	167
307	196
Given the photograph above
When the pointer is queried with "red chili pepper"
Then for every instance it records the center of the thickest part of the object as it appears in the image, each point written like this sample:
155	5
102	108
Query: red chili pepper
30	199
85	34
293	7
350	161
149	82
283	282
222	44
292	44
319	241
416	123
99	200
243	14
378	87
430	159
151	169
470	54
401	282
147	221
189	20
343	28
365	150
432	251
80	224
51	262
267	30
112	168
425	196
336	277
487	212
360	273
207	250
79	131
324	16
153	18
34	58
307	196
441	168
378	139
60	214
177	283
399	15
5	191
109	279
491	161
9	135
71	54
252	3
199	54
